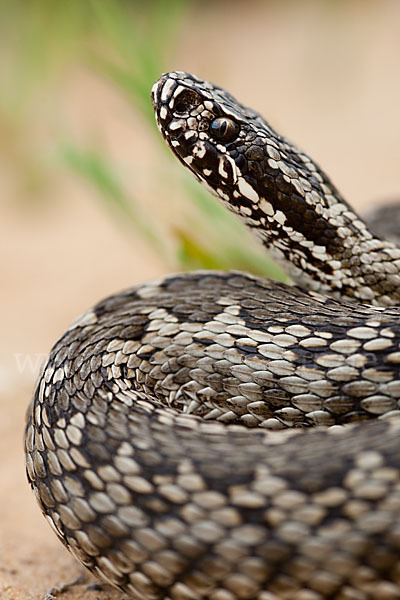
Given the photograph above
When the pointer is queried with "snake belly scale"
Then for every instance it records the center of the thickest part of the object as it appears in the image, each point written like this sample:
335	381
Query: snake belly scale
169	442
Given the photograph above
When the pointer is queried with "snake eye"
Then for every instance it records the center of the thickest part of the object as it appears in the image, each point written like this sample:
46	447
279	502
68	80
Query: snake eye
224	129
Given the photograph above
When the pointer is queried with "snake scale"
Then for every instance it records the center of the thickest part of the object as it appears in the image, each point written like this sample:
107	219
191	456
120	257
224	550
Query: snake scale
170	442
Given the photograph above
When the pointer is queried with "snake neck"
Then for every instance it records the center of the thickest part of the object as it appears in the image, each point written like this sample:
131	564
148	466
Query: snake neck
280	193
318	240
310	230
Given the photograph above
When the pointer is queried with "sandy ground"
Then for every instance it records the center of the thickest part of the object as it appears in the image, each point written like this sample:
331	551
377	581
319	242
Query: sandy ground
326	78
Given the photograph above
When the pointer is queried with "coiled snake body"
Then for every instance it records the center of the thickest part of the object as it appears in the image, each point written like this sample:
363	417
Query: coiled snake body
136	443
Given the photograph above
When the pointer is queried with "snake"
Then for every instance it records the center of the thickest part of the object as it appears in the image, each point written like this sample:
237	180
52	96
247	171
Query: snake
218	435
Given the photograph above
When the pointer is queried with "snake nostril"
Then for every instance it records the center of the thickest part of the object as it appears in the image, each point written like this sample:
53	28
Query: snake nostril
186	100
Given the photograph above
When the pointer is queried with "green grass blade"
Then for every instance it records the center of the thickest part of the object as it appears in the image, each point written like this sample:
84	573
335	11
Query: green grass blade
94	169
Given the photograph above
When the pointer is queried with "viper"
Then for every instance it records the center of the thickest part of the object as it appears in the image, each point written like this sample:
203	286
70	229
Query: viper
217	435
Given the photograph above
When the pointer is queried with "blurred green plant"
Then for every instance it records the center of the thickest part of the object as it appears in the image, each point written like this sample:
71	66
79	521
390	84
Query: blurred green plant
128	43
139	43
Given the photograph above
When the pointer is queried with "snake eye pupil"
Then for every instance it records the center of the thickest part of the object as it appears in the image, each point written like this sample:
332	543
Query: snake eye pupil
224	129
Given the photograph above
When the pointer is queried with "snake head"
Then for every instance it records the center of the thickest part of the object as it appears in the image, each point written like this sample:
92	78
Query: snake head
281	194
231	149
211	133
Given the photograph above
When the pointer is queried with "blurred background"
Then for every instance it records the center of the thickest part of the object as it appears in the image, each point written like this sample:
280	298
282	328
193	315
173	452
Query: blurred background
92	202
